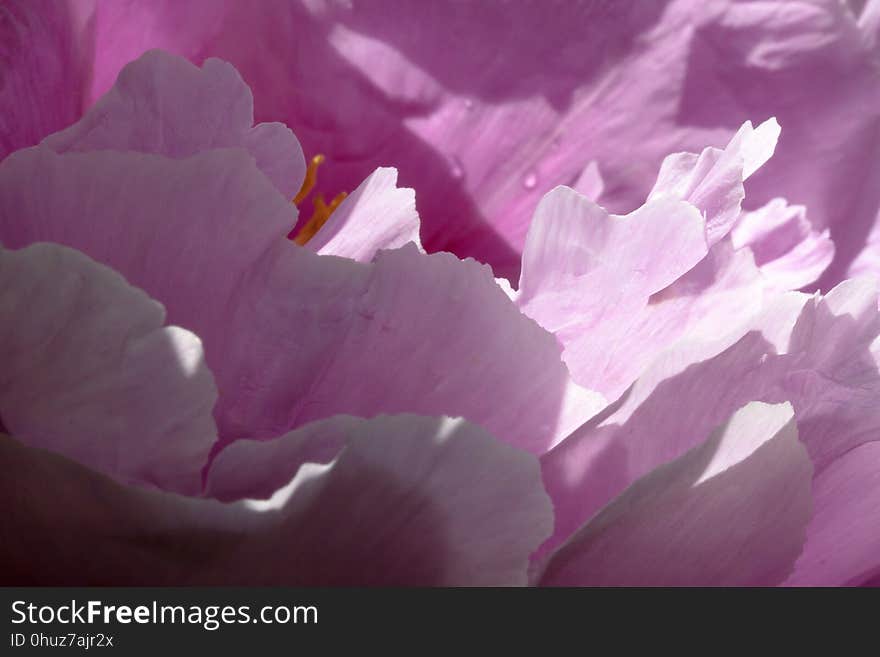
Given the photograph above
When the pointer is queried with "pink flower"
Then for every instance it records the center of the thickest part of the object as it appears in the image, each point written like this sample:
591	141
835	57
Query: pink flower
653	404
191	204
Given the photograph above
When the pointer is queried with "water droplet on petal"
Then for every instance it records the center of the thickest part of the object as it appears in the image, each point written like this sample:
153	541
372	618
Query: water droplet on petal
456	168
531	180
468	104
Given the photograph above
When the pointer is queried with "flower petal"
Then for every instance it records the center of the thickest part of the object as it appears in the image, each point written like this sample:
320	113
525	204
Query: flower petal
43	71
377	215
787	249
590	182
834	381
66	525
818	353
410	333
163	104
90	372
713	181
843	539
406	500
292	336
570	236
732	511
678	401
587	277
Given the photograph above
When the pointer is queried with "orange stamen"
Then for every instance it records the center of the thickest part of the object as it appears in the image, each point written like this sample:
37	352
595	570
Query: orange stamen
310	180
322	210
319	217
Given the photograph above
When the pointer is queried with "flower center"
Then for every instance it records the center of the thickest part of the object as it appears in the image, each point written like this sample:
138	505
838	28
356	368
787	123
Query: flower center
321	209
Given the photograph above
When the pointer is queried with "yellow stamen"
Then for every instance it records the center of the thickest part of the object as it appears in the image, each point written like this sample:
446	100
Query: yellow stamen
311	178
322	211
319	217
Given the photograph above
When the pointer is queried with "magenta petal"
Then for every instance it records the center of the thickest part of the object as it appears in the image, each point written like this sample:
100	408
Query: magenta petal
43	71
90	371
405	500
163	104
732	511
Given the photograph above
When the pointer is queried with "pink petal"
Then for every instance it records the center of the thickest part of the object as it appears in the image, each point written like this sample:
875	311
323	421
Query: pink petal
867	262
716	298
713	181
292	336
186	231
590	182
669	410
730	512
789	252
817	353
570	236
868	19
377	215
91	372
407	500
163	104
834	382
43	71
411	333
587	276
843	539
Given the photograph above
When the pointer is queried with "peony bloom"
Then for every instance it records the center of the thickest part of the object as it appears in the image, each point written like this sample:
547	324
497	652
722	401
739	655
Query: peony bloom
654	403
192	206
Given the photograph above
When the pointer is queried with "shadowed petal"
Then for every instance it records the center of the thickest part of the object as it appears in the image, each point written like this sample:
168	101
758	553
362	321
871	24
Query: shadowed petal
818	353
788	251
293	336
89	371
730	512
406	500
843	539
43	70
66	525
